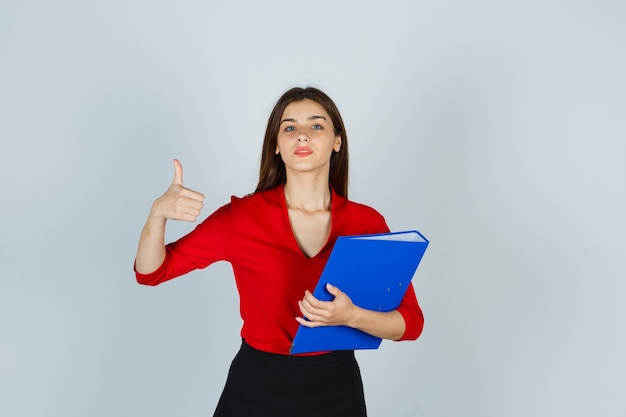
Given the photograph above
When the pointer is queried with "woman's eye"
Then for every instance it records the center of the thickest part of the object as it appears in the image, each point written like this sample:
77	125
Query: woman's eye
317	127
290	128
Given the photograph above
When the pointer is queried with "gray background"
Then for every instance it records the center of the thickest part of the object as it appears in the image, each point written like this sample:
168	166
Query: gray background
497	128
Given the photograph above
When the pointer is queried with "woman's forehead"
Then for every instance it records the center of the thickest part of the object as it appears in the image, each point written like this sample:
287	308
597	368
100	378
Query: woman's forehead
304	109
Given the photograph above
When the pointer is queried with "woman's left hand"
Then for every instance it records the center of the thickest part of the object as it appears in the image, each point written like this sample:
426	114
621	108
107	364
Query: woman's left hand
339	311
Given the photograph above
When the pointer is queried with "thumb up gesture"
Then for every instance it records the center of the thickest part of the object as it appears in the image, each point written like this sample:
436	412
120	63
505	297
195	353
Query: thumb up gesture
178	202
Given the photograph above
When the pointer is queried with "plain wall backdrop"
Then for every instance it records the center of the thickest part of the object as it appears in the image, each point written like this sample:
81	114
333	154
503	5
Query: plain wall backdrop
496	128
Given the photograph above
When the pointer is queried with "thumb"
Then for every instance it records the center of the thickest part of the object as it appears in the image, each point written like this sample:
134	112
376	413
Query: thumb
333	290
178	173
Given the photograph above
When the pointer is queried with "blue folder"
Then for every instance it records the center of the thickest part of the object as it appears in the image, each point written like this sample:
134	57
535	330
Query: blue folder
375	272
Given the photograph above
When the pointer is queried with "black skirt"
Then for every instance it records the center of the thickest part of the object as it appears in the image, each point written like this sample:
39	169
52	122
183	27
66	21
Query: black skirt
264	384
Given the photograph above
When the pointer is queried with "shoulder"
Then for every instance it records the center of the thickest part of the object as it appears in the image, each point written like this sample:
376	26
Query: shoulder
256	205
354	208
257	200
359	218
344	205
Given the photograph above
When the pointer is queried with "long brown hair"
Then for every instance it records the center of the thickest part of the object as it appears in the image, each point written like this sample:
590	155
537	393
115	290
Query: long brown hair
272	172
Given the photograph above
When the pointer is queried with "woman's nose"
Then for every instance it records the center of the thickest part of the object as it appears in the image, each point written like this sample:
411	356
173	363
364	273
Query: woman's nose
303	138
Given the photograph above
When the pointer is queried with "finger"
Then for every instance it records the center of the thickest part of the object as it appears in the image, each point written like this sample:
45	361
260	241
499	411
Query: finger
308	312
192	208
178	173
189	211
314	301
193	195
308	323
310	302
305	309
333	290
187	217
338	295
312	311
186	201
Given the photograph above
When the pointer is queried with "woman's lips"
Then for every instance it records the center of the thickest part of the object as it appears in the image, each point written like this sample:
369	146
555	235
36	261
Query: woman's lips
302	151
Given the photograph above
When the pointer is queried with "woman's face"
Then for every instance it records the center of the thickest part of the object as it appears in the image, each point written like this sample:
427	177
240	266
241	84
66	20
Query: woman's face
306	138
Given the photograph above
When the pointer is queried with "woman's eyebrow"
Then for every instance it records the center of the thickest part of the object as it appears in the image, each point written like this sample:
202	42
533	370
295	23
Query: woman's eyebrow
308	118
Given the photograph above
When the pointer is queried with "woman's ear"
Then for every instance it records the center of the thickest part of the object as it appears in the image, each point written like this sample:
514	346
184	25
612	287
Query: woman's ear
337	146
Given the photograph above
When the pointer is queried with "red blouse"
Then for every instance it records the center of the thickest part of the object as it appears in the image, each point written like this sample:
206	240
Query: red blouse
253	233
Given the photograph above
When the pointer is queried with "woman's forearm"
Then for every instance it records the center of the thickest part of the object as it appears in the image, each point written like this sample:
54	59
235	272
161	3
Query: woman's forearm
388	325
151	248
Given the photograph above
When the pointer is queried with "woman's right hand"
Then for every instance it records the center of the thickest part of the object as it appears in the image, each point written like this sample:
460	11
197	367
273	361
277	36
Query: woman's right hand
178	202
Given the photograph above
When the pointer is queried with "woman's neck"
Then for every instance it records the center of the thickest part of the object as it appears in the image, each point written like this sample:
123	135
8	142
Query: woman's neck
307	194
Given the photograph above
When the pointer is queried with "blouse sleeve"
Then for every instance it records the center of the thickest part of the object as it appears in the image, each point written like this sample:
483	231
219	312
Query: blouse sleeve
412	313
206	244
409	306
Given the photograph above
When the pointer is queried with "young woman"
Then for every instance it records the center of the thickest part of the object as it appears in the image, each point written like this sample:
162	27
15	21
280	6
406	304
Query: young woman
278	240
